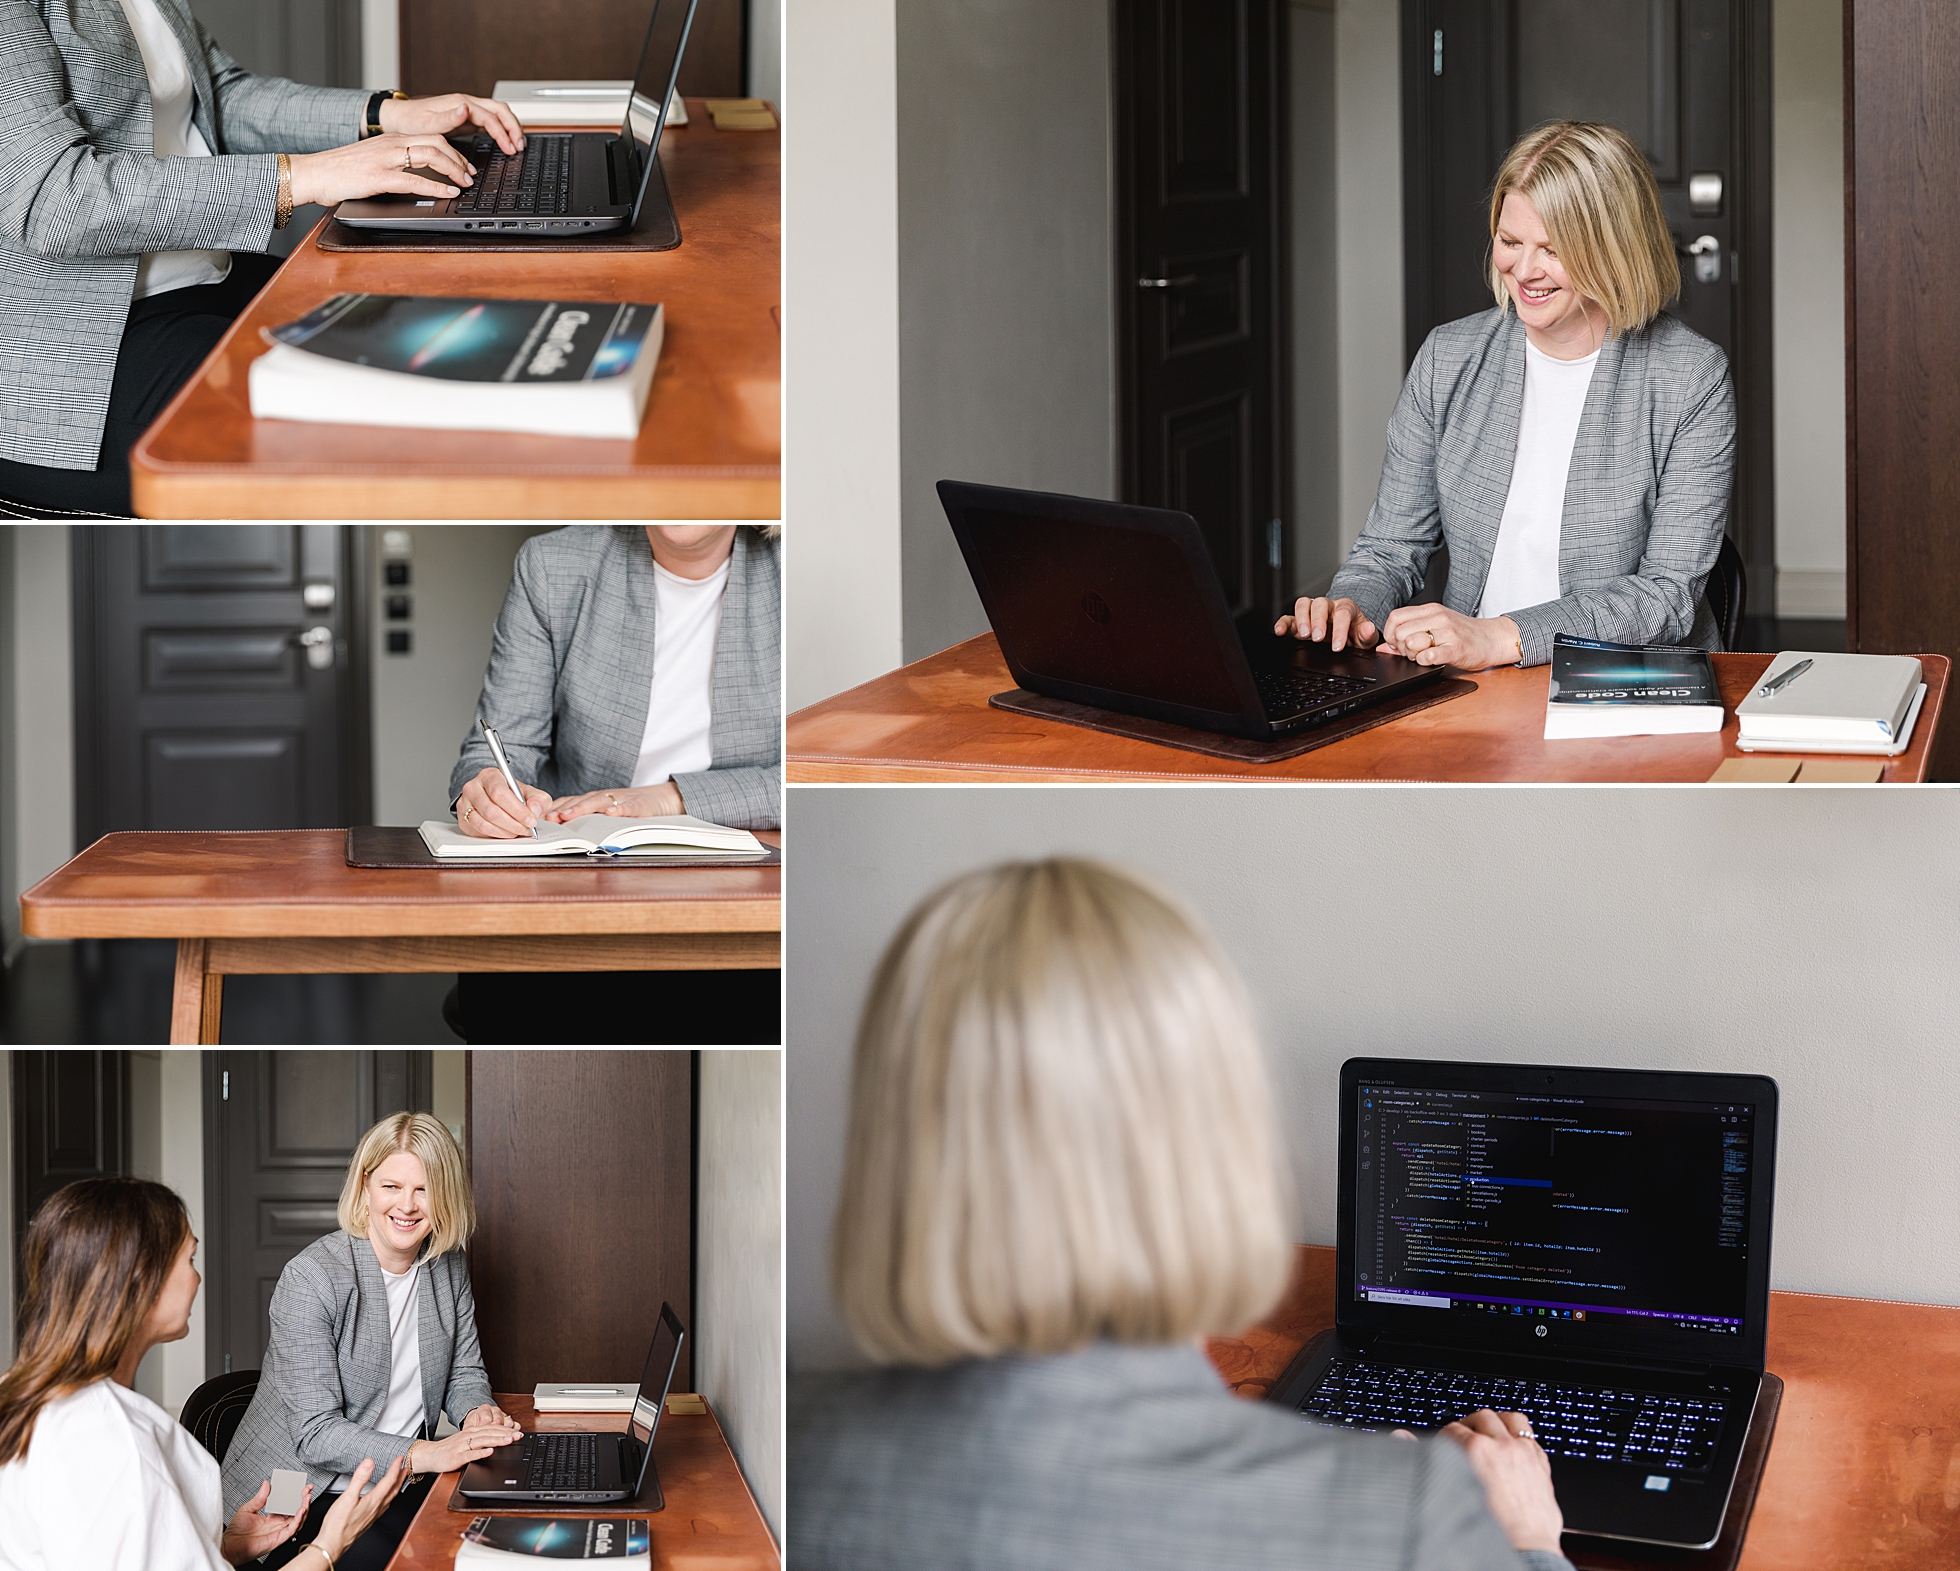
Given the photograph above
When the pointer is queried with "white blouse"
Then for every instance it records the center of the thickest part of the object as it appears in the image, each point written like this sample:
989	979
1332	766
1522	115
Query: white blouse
175	135
1524	562
111	1482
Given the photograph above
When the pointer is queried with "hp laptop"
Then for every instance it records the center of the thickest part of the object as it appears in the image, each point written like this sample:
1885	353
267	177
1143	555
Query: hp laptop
1588	1247
588	1469
558	183
1120	607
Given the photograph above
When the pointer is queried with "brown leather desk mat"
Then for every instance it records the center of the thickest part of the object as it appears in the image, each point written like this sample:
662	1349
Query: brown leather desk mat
390	846
709	447
656	229
1238	748
711	1516
931	721
1868	1432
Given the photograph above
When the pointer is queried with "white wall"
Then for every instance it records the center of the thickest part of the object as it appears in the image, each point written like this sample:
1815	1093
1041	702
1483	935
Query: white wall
381	55
38	795
424	702
1807	106
738	1286
146	1161
1007	309
1534	926
840	347
7	1206
766	50
180	1164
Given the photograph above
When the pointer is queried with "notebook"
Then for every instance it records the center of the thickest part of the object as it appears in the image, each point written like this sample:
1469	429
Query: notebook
1840	704
598	834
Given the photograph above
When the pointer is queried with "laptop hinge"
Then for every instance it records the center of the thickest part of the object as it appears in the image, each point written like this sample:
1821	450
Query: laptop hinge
1651	1365
620	158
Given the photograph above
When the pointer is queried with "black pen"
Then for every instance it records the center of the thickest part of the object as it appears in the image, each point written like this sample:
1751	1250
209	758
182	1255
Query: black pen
1771	689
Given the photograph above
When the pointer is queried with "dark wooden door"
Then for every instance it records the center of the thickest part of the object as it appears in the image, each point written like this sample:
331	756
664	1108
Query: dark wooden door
220	678
468	46
71	1120
582	1165
279	1131
1200	322
1687	80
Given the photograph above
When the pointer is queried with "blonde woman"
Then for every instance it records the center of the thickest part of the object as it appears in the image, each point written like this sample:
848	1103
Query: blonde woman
94	1477
1573	446
1062	1171
374	1338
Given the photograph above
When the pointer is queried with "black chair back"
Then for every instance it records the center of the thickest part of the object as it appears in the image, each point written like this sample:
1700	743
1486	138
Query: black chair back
213	1412
1726	591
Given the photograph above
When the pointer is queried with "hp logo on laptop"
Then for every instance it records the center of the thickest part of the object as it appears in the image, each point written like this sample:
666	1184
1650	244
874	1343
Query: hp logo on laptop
1095	608
1539	1329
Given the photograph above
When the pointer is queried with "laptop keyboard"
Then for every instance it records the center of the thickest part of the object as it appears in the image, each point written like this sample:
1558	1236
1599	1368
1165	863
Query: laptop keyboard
1676	1433
564	1462
535	181
1294	692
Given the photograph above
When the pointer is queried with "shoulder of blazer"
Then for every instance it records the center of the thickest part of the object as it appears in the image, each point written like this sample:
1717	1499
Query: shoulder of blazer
1674	358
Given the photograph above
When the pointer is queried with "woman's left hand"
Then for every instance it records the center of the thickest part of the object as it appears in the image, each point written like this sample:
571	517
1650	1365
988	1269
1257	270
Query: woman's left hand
1436	635
249	1535
660	801
489	1413
449	112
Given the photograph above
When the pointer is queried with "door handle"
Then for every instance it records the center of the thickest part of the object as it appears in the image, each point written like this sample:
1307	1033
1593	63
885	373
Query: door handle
318	644
1707	253
1167	283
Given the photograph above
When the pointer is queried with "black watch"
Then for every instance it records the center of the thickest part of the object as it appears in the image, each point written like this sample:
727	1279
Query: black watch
371	119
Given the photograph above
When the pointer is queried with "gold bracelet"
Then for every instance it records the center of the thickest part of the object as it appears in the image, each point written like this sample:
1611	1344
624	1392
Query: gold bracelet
316	1544
282	213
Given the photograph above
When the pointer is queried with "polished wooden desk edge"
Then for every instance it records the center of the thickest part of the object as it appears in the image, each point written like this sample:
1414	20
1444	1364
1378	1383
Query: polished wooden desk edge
401	919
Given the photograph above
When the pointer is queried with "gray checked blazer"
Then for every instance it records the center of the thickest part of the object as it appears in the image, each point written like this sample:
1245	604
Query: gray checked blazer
1114	1459
571	668
326	1371
83	195
1646	496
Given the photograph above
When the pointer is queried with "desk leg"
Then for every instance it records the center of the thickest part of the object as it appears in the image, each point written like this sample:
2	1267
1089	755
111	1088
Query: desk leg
197	1003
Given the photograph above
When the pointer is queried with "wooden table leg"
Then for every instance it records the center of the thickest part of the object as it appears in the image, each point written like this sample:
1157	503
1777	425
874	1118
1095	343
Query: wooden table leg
197	1003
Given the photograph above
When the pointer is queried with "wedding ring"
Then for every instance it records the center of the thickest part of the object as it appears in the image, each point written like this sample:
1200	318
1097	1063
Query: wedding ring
1527	1433
612	799
408	158
466	813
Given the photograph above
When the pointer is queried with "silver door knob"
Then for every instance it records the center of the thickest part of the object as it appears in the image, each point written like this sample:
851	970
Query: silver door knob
318	644
1167	283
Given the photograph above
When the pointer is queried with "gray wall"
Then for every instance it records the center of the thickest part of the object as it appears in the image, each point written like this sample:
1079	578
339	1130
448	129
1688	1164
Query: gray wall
1007	346
738	1290
1805	934
37	769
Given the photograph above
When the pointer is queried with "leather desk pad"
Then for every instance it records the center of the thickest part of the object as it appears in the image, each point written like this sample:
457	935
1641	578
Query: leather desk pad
1603	1554
388	845
1020	701
657	230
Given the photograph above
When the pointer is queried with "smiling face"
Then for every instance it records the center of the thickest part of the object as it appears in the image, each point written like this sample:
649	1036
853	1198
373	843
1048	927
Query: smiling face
1554	314
398	1209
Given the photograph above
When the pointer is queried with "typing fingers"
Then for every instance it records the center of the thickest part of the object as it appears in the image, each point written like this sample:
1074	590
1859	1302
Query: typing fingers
435	155
496	118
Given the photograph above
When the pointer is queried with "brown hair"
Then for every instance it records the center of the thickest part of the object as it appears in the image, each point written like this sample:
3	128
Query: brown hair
97	1256
1595	194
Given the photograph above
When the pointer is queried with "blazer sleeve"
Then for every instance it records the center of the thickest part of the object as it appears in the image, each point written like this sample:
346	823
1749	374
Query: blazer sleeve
1656	604
748	797
268	114
61	196
1451	1528
519	685
469	1382
1388	562
310	1389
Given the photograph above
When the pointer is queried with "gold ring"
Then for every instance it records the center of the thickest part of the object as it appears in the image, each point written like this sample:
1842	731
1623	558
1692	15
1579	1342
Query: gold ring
466	813
612	799
408	157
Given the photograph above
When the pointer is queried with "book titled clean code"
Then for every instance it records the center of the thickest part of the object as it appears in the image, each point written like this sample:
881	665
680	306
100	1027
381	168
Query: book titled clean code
499	1540
1600	689
581	368
599	834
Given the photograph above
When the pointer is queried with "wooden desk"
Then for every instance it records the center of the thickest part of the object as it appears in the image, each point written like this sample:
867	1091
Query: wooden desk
930	721
285	902
711	1519
1863	1468
711	443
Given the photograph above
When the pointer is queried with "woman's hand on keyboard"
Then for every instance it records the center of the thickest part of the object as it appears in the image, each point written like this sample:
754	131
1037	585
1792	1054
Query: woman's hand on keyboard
470	1444
1516	1475
449	112
381	164
1339	623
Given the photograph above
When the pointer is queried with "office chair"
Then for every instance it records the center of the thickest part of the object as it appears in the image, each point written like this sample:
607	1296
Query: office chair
214	1409
1726	591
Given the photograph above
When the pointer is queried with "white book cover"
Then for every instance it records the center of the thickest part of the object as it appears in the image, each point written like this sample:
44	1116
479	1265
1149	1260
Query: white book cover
591	1396
1837	698
590	101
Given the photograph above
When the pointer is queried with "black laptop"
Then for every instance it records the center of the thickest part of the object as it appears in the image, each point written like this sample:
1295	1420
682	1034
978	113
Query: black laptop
1588	1247
1120	607
558	184
589	1469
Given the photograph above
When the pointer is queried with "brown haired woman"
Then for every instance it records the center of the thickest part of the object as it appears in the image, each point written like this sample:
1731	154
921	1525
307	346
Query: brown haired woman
1573	446
94	1477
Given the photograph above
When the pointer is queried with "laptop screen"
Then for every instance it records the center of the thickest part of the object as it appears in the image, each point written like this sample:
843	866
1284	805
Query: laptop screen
653	83
655	1381
1606	1218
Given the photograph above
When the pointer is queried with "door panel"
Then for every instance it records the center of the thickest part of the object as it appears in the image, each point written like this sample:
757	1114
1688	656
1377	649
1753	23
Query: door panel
70	1121
468	46
280	1129
1200	322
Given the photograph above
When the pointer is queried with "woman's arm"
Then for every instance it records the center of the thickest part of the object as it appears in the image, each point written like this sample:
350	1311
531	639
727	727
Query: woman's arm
303	1361
745	798
519	685
469	1383
1656	604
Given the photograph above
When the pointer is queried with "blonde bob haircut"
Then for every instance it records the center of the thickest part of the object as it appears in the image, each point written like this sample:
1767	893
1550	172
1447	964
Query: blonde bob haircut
452	1214
1597	199
1060	1128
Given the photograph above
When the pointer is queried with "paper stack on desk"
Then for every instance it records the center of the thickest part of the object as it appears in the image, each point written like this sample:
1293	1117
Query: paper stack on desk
591	102
591	1396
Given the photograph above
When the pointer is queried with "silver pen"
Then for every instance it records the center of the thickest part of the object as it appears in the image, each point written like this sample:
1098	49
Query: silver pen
1771	689
503	763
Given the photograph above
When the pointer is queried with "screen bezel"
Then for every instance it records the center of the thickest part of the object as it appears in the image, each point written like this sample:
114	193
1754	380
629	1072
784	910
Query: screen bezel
644	158
669	1321
1605	1335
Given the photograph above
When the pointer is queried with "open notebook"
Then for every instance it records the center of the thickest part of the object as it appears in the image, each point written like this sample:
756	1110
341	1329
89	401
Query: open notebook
596	834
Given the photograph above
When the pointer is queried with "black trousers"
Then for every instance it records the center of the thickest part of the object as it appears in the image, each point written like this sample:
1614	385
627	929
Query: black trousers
644	1008
163	342
373	1549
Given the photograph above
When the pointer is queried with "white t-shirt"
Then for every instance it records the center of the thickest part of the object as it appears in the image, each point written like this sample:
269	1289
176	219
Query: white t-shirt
686	621
1524	565
111	1482
402	1413
174	136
